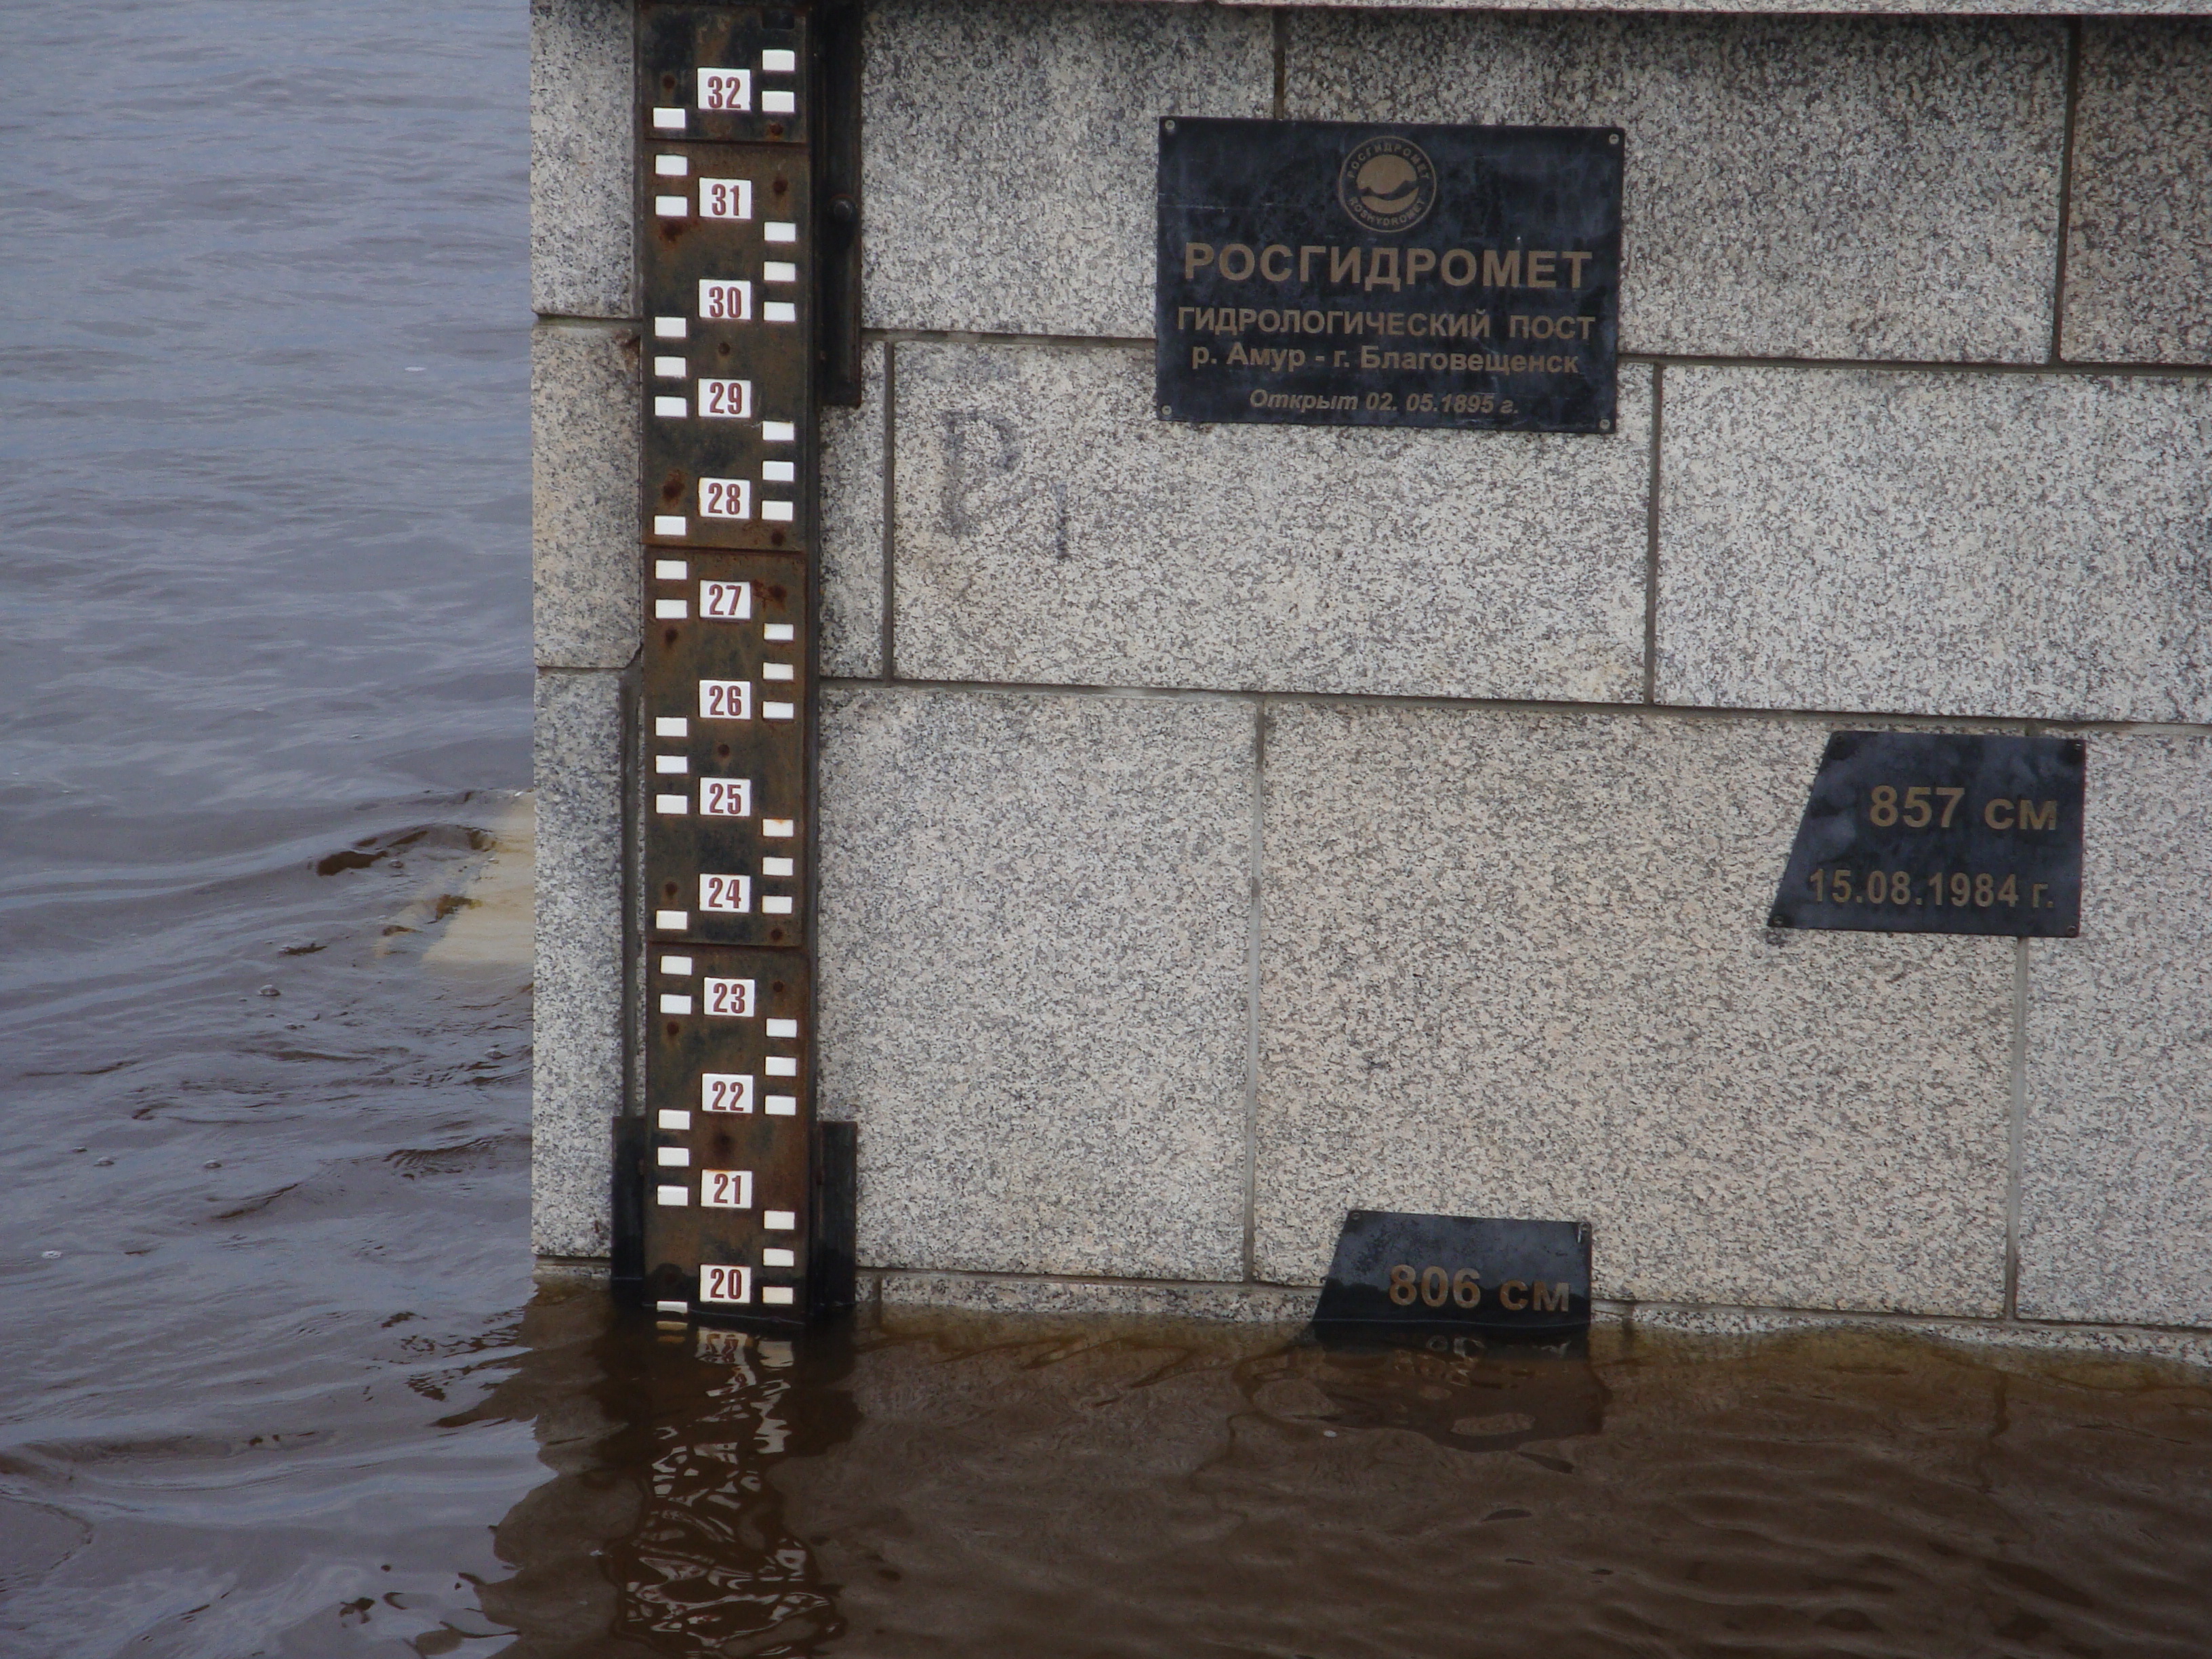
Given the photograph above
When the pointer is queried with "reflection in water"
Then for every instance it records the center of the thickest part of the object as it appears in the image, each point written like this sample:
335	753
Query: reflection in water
932	1483
664	1508
1459	1391
711	1563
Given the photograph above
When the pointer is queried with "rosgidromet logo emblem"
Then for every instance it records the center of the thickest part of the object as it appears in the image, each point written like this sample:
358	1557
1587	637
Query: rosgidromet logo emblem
1387	183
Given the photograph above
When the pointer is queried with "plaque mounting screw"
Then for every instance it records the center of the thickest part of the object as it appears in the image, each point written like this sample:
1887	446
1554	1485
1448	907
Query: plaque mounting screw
1168	125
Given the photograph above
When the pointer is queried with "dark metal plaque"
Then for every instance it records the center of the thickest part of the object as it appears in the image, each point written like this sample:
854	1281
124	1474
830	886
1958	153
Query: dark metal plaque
734	74
1926	832
729	363
727	1185
1323	273
1448	1271
724	697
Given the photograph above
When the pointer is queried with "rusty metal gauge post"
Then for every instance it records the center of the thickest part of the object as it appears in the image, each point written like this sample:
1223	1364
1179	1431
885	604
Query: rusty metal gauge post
730	1203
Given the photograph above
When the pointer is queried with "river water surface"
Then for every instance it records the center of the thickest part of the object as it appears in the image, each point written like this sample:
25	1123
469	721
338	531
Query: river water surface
277	1380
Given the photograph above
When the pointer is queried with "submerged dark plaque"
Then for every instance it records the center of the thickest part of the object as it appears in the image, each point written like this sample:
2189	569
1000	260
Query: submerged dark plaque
1431	1272
1323	273
1926	832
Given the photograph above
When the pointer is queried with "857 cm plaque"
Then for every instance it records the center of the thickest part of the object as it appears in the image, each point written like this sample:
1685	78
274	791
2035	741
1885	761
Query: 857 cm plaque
1926	832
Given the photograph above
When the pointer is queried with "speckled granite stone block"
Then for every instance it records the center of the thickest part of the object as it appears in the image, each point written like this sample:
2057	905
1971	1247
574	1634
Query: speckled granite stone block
1009	150
583	500
2007	7
576	1083
1513	964
1052	530
1093	1298
581	163
2013	545
1823	188
853	527
1033	977
2116	1180
2139	243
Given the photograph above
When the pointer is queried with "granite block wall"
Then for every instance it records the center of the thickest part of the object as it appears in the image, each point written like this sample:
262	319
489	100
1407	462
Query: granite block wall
1225	826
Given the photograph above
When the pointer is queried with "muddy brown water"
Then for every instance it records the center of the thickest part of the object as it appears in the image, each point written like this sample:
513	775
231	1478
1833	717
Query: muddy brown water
275	1378
934	1483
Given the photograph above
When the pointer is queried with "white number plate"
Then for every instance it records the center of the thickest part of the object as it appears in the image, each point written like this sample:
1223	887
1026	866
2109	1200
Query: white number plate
725	400
731	895
730	999
725	1092
727	1189
726	302
725	601
725	798
726	198
726	1284
726	89
725	498
726	700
